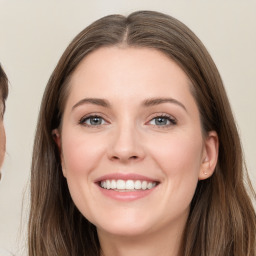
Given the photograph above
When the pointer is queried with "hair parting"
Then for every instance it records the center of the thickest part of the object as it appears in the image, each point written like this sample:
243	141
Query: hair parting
222	219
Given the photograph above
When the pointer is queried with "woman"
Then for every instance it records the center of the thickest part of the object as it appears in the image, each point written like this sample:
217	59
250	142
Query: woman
134	149
3	96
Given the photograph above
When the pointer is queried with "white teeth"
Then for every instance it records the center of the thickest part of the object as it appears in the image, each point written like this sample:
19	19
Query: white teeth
108	184
127	185
113	184
144	185
103	184
137	184
120	184
149	186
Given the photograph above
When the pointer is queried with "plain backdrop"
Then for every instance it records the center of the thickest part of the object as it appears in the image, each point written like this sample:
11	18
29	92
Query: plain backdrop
34	34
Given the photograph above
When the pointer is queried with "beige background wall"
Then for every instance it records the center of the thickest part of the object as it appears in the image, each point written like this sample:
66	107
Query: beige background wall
33	35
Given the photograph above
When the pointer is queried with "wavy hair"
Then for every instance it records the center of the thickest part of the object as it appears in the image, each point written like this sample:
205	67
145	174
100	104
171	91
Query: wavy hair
222	219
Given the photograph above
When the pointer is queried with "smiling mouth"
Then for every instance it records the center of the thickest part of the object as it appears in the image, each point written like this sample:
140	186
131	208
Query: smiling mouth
127	185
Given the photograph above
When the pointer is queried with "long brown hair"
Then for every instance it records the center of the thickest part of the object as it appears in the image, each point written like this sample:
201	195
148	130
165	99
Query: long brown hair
222	219
3	88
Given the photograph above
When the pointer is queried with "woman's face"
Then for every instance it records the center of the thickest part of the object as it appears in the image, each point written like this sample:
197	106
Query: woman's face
2	133
131	142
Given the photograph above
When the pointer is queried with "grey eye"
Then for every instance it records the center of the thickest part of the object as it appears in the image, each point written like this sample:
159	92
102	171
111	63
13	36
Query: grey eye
93	121
160	120
163	121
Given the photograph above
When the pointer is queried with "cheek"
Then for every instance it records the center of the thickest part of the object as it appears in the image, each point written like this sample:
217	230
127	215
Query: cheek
80	152
81	155
178	154
179	158
180	163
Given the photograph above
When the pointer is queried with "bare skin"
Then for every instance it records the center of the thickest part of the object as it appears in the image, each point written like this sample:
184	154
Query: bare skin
130	113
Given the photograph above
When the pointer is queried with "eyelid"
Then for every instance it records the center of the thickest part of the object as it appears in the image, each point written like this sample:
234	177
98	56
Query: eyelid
172	119
90	115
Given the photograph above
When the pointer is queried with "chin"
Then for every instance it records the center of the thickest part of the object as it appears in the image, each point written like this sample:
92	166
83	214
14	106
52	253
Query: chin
128	226
124	230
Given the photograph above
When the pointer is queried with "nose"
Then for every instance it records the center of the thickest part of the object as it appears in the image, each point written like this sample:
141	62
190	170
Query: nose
126	145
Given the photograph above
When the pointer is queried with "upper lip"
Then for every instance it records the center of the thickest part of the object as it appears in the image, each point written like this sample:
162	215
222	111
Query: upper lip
125	176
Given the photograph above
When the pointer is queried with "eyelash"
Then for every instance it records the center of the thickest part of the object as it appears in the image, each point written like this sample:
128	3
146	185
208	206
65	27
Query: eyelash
83	120
168	118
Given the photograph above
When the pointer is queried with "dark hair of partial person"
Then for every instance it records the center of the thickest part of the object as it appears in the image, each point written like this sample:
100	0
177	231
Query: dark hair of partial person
3	87
222	219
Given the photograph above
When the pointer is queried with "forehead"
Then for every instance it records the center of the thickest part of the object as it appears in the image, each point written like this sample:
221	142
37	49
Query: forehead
126	78
127	68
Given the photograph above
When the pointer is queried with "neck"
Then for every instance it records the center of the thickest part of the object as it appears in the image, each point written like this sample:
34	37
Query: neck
165	243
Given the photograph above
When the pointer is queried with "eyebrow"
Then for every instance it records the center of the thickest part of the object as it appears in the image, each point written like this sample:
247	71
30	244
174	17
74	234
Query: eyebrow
146	103
94	101
158	101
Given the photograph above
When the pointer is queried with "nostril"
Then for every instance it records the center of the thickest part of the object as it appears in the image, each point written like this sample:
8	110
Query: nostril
115	157
128	158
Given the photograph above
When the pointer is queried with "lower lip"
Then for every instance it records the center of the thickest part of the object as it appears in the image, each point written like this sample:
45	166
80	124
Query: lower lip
126	196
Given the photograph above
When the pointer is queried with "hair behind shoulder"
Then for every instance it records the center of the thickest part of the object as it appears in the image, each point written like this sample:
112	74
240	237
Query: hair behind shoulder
222	218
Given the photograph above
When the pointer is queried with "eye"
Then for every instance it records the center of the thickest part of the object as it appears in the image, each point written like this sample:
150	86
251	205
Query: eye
163	121
92	121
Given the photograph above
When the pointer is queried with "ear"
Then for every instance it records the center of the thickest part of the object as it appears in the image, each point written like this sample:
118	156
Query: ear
57	138
209	156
